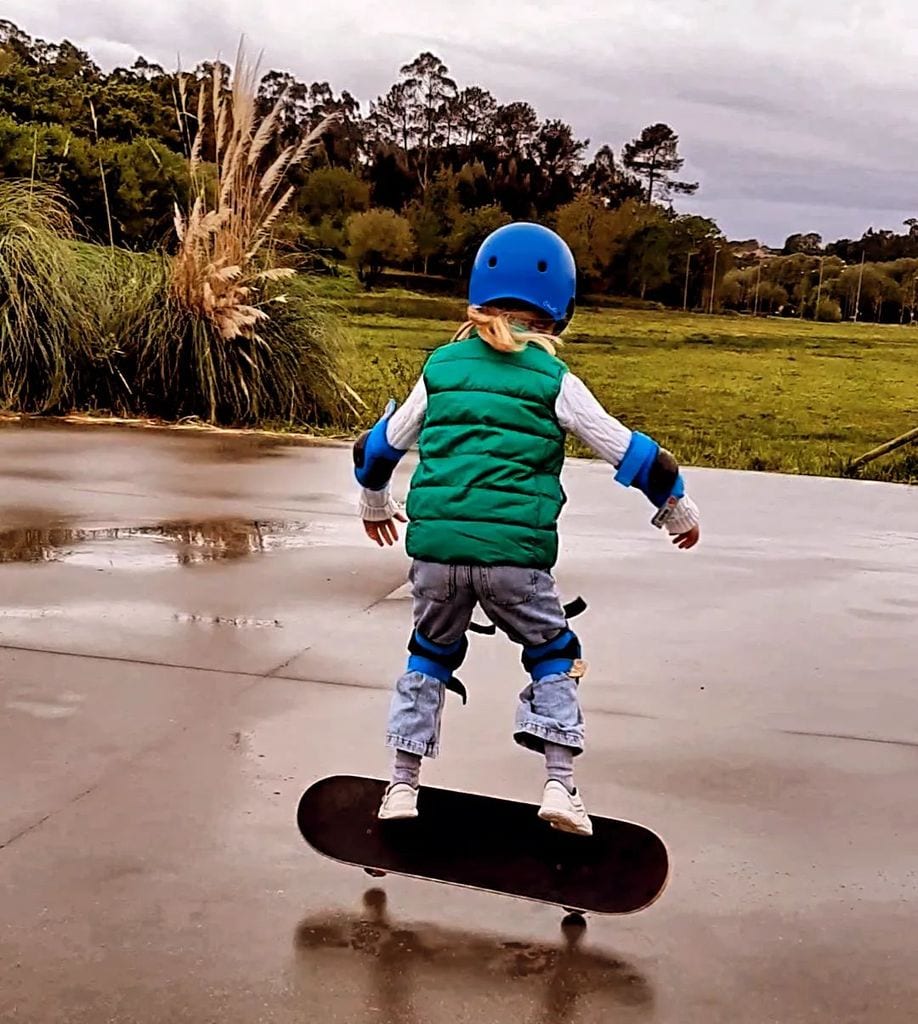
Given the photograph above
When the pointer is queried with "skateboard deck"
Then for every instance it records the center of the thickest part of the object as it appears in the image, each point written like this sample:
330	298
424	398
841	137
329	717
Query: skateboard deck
481	842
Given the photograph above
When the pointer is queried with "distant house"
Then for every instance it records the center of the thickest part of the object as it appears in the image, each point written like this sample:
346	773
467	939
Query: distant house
751	251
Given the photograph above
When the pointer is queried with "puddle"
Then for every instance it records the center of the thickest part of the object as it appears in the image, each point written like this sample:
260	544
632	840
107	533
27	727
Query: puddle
184	543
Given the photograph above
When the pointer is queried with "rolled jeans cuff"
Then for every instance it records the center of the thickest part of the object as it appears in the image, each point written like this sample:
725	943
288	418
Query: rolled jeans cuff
430	749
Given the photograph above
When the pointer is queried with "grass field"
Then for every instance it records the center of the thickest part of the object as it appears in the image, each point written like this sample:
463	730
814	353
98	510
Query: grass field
735	392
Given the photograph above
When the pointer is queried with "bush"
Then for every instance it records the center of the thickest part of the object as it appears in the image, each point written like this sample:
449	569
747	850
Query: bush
829	311
619	302
427	284
404	304
41	322
333	193
376	238
288	373
126	295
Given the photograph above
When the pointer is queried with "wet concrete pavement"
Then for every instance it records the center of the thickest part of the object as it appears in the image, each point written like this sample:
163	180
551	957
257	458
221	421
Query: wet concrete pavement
193	628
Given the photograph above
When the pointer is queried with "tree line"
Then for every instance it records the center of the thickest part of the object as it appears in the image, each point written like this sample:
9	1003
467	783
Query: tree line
825	287
416	181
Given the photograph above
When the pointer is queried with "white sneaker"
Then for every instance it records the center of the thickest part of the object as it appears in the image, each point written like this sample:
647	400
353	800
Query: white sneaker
564	810
400	801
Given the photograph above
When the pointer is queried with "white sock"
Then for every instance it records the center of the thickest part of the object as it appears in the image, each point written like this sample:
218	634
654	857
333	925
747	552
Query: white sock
406	768
559	763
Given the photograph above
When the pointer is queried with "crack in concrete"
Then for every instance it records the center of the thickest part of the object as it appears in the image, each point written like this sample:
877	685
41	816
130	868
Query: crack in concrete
119	660
30	828
239	673
123	763
850	737
273	673
166	737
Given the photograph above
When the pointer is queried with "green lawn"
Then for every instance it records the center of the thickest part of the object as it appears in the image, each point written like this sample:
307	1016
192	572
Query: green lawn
736	392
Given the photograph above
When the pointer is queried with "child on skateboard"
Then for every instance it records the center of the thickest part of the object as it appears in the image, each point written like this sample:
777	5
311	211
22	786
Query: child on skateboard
490	414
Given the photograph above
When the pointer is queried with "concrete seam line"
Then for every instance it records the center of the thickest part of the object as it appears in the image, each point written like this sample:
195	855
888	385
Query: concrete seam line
254	676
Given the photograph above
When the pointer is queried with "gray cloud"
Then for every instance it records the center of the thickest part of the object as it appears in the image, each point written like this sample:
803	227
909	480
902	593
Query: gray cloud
792	118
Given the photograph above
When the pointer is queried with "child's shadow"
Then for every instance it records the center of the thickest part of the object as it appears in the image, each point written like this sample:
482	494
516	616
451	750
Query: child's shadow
403	961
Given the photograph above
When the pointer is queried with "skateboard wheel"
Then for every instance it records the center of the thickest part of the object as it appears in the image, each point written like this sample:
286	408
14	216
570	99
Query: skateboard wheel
374	873
574	927
574	923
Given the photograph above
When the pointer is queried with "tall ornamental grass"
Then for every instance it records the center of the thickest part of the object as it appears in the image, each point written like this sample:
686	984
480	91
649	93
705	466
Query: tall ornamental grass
39	305
236	346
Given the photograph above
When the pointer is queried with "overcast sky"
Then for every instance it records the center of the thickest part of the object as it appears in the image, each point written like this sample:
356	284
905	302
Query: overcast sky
794	117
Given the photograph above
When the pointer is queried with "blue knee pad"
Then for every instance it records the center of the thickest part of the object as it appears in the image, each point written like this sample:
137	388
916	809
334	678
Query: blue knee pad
438	660
554	657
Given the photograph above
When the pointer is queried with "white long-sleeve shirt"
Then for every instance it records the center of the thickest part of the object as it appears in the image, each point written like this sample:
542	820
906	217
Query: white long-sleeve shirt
578	412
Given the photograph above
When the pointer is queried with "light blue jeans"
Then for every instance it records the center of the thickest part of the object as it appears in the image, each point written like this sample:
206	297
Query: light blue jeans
524	604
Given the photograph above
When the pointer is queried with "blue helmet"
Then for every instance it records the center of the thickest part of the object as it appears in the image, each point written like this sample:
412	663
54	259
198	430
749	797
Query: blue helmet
526	263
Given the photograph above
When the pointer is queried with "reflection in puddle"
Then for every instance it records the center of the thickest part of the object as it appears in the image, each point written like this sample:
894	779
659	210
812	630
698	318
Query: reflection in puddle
153	547
409	970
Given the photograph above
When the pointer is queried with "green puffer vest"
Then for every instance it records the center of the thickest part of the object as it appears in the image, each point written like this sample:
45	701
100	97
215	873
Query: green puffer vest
487	490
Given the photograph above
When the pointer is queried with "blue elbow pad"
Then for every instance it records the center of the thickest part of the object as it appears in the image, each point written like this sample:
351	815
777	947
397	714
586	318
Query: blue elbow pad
651	469
374	458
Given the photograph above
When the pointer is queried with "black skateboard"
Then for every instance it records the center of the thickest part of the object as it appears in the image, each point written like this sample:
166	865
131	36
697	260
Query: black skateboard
483	842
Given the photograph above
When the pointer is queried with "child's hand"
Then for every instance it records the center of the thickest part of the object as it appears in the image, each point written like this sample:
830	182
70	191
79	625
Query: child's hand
689	539
384	532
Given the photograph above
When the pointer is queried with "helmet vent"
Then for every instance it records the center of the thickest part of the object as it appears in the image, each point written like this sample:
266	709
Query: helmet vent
492	262
543	266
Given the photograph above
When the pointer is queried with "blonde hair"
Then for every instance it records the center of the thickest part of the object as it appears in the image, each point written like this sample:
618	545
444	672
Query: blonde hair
507	330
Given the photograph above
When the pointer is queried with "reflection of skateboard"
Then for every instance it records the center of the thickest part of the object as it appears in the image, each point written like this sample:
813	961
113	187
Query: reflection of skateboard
483	842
